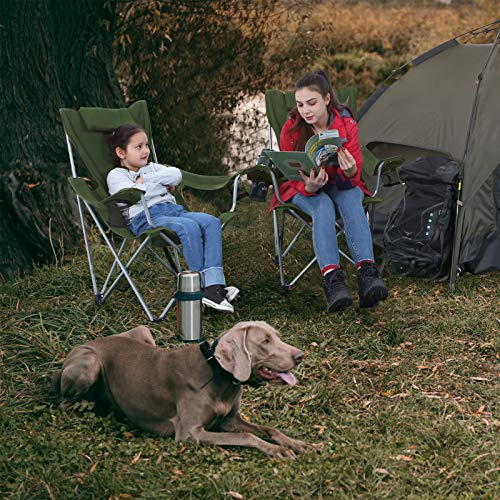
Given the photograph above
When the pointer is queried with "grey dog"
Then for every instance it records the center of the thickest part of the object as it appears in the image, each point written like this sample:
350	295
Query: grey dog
190	392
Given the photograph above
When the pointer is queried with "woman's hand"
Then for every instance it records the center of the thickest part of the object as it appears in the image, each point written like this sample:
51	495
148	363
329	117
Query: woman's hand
347	163
139	180
314	182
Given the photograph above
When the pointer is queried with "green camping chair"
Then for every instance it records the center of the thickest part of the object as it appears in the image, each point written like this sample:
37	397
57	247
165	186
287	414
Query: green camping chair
86	130
278	105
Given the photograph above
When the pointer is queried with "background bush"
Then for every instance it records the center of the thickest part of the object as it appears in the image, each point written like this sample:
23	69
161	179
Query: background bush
196	63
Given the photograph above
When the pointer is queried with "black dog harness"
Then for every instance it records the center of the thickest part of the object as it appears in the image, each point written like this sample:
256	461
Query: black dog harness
208	352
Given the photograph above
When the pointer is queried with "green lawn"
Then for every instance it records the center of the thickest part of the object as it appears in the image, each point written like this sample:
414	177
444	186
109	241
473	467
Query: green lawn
402	398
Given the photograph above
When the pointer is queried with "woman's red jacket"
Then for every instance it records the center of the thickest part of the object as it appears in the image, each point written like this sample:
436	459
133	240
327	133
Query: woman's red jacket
348	129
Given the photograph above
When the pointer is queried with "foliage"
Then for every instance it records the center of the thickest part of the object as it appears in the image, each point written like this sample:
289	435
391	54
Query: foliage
193	62
359	43
401	397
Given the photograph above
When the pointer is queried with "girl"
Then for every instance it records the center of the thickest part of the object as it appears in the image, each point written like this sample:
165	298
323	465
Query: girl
200	233
337	186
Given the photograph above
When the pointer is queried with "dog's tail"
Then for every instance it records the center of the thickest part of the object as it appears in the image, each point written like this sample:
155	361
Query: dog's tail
55	384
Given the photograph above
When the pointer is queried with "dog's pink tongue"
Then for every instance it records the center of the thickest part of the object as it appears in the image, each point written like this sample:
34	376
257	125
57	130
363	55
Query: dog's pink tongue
287	377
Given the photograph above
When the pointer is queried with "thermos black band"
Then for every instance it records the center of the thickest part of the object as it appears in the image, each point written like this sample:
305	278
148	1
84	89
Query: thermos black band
186	296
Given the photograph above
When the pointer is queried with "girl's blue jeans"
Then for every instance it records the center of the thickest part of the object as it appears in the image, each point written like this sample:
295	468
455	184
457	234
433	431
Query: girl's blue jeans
323	209
200	235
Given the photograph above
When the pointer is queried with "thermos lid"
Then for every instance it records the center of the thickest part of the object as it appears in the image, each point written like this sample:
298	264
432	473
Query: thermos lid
189	281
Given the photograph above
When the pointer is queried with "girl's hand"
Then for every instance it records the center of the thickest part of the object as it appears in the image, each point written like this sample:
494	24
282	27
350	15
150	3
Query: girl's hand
139	180
314	182
347	163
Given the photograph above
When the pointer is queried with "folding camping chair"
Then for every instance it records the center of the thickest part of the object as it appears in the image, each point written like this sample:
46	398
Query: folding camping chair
278	105
86	130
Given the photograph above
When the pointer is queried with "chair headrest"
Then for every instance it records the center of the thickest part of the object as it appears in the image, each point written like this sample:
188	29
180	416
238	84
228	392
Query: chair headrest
105	120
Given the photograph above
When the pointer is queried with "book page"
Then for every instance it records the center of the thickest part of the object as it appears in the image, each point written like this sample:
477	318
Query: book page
322	147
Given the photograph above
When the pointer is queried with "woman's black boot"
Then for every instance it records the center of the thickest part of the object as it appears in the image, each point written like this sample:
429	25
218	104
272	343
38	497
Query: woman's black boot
337	295
371	287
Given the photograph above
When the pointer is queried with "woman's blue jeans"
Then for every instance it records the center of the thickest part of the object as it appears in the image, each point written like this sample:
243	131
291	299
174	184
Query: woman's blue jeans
200	235
323	209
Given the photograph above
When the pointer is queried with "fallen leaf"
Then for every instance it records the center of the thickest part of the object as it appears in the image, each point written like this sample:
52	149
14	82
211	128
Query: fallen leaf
381	471
178	472
403	458
234	494
431	395
321	429
305	400
400	395
92	469
136	458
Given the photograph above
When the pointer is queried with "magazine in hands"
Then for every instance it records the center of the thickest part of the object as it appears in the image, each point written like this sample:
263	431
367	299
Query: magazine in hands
320	150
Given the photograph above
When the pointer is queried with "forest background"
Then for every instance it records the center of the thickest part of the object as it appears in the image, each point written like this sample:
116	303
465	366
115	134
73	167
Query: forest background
201	66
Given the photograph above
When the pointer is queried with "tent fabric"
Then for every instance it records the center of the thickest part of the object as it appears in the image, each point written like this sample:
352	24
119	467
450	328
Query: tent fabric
446	104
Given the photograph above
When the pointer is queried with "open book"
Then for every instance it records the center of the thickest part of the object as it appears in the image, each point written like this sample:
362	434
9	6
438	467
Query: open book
320	149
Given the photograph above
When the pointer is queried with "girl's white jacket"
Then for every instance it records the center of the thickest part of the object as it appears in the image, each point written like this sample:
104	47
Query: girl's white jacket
155	178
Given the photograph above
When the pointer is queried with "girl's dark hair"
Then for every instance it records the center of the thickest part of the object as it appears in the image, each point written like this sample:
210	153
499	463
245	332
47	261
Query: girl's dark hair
119	138
318	81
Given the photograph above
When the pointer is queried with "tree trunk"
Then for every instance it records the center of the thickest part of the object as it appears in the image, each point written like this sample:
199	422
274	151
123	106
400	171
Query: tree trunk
53	54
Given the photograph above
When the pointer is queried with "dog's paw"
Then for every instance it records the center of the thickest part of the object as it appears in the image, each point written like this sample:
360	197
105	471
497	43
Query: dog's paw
278	451
300	446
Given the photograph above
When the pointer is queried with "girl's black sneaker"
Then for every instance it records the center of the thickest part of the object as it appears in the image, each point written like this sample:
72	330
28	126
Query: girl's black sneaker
215	296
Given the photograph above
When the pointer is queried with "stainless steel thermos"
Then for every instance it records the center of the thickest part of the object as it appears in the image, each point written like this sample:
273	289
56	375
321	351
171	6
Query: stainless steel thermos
188	298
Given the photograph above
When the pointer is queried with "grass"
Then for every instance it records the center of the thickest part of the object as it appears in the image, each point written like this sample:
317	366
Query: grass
401	397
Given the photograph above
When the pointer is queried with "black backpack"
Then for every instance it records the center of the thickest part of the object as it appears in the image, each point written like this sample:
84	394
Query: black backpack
418	236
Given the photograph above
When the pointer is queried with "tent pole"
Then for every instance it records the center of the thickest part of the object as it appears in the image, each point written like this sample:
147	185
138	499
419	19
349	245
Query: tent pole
460	214
457	241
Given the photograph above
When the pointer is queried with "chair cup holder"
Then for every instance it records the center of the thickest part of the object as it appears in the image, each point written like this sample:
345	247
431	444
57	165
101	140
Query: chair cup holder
259	191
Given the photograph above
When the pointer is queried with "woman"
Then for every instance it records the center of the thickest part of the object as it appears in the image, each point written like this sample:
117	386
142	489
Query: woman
335	187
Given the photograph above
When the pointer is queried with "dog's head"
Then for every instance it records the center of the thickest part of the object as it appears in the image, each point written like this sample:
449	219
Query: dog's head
254	349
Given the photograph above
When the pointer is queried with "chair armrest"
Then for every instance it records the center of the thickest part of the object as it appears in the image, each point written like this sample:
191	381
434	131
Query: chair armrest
214	183
128	196
205	182
391	163
386	167
81	187
259	173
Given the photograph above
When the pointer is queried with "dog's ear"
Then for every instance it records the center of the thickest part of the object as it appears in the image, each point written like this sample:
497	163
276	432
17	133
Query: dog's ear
232	353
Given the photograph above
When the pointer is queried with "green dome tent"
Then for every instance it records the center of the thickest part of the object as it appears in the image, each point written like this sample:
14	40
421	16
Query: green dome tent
448	103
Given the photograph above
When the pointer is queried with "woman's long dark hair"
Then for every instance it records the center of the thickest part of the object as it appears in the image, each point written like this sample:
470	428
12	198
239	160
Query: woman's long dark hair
317	80
120	138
